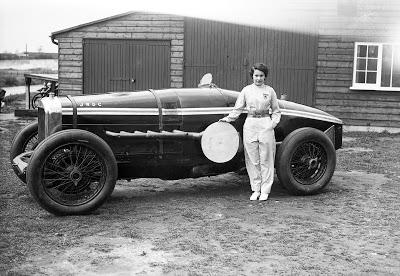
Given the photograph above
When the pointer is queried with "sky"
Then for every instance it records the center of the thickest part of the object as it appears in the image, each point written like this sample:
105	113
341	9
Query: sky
29	23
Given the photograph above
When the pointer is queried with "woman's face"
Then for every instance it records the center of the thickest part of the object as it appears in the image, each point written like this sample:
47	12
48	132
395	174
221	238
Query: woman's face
258	77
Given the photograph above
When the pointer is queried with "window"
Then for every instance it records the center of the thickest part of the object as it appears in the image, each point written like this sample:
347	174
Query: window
376	66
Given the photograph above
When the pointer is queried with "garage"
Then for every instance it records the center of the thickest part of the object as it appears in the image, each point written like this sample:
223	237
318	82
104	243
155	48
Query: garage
315	66
136	51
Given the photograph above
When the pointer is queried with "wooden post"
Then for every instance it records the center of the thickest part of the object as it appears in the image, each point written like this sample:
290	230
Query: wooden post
28	81
53	86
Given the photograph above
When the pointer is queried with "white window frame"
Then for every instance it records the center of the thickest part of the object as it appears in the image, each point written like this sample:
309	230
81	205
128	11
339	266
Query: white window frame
377	85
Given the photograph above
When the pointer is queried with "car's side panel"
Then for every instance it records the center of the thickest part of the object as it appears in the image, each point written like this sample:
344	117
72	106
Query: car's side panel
158	111
189	110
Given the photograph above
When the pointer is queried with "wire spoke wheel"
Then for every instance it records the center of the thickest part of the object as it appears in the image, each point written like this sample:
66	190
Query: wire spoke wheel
306	160
73	174
31	143
309	163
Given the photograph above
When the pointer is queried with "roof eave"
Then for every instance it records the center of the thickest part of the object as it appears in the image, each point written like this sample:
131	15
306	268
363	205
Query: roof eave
54	34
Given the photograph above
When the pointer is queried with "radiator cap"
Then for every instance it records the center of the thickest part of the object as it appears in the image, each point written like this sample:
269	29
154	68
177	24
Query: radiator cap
220	142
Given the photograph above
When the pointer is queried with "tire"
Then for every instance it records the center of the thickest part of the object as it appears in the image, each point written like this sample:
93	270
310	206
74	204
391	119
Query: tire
306	160
72	172
25	140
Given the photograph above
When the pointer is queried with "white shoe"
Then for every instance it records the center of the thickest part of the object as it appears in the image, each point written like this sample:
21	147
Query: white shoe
255	196
263	197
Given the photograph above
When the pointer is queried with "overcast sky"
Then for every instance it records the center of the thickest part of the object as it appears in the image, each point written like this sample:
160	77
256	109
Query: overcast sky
30	22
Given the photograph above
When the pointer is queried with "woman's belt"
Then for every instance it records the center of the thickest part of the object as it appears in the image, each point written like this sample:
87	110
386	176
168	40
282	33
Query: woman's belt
258	115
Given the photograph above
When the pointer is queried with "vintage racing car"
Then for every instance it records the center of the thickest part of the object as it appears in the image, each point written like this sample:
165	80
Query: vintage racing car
81	145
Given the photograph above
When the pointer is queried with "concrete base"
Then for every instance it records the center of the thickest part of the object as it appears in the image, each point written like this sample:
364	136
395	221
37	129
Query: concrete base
25	112
371	129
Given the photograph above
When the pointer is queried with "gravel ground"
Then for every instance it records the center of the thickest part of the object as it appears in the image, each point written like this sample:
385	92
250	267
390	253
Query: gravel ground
207	226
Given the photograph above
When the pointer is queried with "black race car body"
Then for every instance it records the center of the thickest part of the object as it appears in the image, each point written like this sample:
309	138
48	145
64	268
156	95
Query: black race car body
87	142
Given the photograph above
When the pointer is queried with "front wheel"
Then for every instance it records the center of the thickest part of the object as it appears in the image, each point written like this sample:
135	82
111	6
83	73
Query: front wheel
306	160
72	172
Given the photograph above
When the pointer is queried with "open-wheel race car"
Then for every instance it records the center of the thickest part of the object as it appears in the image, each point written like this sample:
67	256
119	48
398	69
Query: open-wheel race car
81	145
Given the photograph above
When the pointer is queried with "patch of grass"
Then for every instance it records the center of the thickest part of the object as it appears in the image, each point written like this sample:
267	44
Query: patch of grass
9	81
10	99
12	77
384	148
12	102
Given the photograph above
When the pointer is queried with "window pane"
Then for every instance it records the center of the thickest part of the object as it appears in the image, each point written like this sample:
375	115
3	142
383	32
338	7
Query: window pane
371	77
386	65
387	52
361	64
373	51
385	79
360	77
396	67
396	59
396	80
362	50
372	64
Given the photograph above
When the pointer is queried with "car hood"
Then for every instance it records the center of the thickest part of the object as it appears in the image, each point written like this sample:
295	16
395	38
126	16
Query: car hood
183	98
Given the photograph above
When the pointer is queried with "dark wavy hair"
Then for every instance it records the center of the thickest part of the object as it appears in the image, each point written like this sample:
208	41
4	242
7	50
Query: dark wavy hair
259	66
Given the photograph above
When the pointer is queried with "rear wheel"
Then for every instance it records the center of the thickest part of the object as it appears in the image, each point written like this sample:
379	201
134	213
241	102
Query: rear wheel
72	172
306	160
25	140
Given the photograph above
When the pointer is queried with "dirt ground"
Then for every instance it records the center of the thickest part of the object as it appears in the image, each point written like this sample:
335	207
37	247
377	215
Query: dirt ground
207	226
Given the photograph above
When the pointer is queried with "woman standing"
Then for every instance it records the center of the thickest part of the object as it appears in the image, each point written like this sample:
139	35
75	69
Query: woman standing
258	130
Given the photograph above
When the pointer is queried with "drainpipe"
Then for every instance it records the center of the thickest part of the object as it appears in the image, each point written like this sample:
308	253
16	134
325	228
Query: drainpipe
53	39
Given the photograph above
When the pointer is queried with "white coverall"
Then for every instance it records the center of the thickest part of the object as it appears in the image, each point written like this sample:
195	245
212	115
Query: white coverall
258	133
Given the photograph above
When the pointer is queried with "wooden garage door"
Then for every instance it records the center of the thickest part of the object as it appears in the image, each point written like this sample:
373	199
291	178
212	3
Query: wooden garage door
228	51
125	65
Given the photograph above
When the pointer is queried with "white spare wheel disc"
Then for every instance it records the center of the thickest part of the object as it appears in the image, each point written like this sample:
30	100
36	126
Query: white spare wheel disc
220	142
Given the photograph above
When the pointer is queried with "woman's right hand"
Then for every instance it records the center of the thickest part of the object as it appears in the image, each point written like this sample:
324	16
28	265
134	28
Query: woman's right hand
223	120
